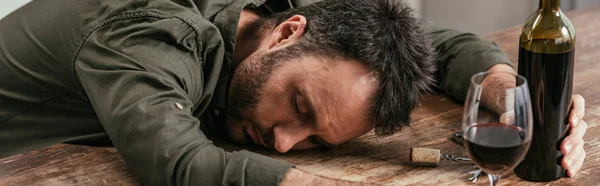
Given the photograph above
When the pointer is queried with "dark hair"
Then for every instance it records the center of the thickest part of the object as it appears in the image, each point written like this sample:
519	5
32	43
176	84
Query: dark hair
381	34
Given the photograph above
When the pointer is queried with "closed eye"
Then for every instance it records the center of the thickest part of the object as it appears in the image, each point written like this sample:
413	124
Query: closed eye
295	100
300	111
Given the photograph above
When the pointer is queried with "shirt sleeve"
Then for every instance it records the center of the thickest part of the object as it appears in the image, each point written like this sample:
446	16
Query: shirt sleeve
142	78
300	3
460	55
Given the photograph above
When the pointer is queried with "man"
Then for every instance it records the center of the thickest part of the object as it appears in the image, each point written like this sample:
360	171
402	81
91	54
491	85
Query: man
154	78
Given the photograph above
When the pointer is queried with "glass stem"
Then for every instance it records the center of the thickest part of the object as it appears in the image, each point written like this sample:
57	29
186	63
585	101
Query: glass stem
493	179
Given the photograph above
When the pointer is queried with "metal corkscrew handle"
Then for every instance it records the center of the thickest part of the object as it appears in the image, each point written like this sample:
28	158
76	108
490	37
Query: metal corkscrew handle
453	158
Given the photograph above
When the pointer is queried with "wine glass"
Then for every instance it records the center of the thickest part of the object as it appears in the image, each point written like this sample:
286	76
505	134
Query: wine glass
497	122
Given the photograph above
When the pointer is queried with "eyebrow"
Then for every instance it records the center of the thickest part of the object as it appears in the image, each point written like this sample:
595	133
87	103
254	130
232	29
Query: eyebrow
313	118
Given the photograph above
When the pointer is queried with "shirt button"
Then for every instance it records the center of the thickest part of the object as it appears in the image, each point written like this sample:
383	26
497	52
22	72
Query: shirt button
216	112
179	106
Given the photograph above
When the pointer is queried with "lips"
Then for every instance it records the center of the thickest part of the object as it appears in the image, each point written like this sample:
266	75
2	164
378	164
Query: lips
254	134
260	139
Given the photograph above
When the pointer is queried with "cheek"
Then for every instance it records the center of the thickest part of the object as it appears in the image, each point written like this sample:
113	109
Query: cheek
273	105
270	112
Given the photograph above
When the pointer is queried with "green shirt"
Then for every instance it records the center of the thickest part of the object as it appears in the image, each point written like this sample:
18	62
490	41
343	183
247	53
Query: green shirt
151	78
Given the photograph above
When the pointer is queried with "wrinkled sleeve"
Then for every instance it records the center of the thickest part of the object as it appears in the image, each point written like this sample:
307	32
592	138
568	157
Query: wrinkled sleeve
142	80
460	55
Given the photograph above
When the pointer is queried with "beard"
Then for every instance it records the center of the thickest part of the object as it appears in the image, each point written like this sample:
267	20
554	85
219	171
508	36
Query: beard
245	90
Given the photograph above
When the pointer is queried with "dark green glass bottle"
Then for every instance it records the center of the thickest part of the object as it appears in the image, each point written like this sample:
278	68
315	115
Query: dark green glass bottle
546	55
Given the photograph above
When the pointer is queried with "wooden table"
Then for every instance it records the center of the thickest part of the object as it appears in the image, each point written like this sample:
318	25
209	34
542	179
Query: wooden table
369	158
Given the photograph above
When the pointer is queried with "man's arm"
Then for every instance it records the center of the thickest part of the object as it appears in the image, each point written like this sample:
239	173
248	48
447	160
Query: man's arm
144	81
460	55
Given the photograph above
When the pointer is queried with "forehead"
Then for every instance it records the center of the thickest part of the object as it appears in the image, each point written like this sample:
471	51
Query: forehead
341	91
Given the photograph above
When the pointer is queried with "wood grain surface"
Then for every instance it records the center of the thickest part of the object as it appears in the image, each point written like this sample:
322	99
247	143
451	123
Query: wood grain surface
370	158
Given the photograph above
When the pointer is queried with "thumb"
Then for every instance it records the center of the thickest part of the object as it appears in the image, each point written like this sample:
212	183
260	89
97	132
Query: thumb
508	117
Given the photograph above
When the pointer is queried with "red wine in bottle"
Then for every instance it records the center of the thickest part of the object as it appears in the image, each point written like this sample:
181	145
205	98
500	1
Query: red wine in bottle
546	56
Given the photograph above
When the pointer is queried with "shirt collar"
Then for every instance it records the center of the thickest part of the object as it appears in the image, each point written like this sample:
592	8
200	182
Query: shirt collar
226	20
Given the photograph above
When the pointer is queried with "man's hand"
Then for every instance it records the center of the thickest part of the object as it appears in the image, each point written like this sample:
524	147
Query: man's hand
492	99
572	145
297	177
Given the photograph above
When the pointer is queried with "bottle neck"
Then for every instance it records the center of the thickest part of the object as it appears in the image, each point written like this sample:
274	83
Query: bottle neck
549	5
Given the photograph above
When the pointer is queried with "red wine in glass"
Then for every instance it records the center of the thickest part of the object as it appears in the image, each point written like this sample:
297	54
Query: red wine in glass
496	147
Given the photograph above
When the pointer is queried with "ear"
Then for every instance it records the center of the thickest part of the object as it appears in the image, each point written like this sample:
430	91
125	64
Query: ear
288	32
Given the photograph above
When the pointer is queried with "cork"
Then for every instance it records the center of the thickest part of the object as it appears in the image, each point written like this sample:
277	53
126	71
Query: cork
424	156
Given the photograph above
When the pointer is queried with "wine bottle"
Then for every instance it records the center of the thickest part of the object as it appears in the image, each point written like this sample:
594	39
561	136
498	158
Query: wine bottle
546	55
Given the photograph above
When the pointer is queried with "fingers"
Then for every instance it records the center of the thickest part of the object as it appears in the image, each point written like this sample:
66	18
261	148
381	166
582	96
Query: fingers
577	165
579	130
578	110
508	117
572	147
575	139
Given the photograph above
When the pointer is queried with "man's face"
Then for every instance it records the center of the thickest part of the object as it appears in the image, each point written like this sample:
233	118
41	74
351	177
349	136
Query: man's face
299	103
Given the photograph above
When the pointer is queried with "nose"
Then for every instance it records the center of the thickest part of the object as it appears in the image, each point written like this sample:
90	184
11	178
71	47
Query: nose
288	135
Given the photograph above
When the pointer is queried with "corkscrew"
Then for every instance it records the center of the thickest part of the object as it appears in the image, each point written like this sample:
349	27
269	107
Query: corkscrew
457	138
453	158
432	157
429	156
